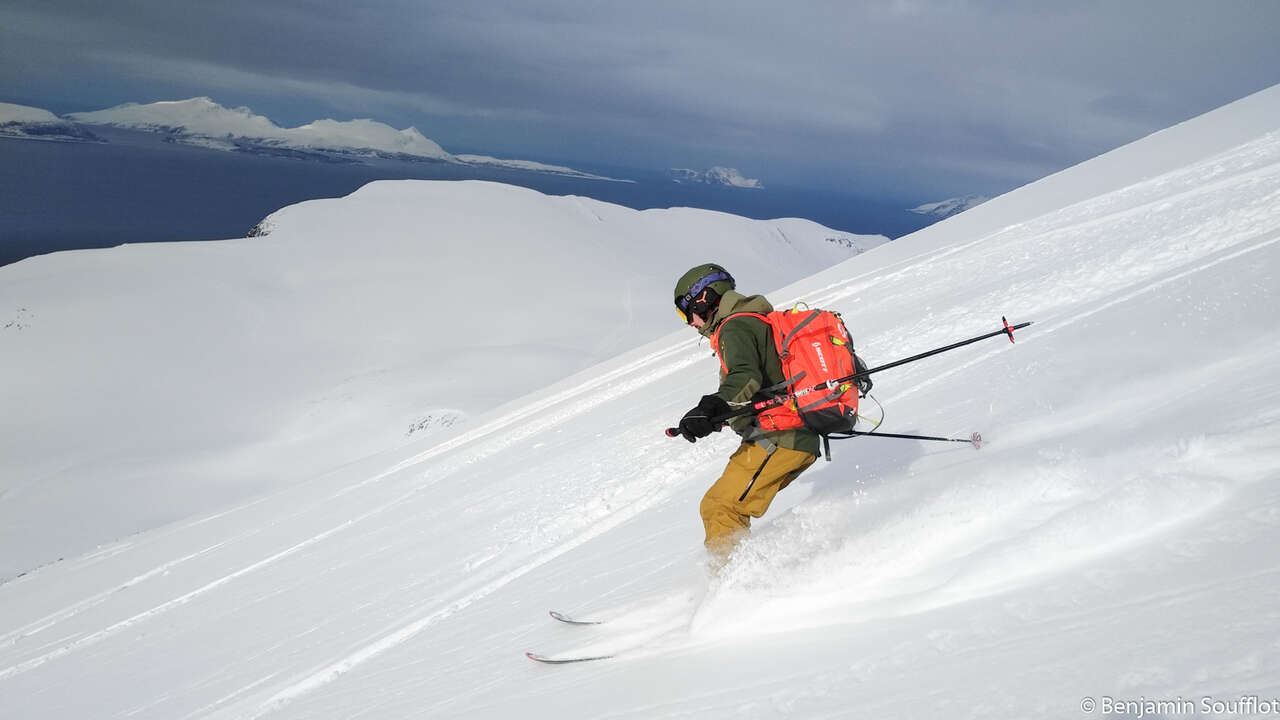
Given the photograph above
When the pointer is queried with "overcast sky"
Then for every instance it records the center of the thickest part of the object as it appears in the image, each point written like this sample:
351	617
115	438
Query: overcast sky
905	98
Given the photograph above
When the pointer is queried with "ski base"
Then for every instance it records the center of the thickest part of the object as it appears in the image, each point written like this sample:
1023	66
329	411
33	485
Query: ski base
563	661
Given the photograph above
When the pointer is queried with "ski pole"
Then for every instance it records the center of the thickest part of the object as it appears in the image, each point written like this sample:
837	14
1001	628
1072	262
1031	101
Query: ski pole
761	406
975	439
1006	330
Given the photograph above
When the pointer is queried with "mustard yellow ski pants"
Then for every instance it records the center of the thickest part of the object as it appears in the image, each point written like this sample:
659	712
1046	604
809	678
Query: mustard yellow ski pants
727	518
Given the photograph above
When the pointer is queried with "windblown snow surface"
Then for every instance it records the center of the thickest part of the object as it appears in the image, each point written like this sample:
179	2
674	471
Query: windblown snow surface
1114	541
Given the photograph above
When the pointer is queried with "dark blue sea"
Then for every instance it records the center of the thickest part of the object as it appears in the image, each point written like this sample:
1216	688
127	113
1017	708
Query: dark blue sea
138	188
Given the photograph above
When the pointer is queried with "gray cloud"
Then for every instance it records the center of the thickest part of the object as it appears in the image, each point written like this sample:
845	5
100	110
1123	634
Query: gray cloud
897	97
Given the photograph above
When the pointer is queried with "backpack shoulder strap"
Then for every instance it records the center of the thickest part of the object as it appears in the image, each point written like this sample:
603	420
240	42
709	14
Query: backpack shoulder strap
715	337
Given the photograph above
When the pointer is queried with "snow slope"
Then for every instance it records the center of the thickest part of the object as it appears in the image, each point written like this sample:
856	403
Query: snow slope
156	380
1113	541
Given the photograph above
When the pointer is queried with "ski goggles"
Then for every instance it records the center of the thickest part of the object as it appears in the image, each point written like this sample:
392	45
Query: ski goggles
684	301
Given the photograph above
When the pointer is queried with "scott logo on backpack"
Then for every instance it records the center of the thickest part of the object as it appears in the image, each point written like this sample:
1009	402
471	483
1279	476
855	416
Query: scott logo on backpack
817	348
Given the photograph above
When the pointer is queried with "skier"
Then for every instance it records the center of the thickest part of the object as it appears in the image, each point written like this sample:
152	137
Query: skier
765	462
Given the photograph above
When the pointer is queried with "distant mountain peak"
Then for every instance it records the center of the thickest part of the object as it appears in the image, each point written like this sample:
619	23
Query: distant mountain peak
951	206
730	177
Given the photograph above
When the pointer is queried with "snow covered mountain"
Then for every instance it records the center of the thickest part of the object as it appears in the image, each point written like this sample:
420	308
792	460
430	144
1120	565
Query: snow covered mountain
203	122
30	123
729	177
951	206
530	165
10	113
156	379
1112	544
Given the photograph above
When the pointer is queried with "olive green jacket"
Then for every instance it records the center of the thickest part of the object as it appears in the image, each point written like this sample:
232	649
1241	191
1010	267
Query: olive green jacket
749	362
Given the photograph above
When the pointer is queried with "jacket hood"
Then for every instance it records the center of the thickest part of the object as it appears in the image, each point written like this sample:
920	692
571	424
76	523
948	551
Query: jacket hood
735	302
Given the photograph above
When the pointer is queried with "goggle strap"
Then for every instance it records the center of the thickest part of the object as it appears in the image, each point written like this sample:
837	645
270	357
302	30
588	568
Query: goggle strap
701	285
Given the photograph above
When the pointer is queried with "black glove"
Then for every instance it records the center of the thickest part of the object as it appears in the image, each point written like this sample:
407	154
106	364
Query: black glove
864	382
697	422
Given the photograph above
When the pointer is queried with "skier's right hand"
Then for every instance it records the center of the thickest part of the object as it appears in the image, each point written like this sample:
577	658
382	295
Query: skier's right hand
697	422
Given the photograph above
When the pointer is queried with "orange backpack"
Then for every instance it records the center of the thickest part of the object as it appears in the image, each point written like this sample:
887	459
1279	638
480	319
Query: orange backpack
814	347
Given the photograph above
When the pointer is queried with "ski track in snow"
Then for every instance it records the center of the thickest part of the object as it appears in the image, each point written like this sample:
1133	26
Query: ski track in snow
517	425
1097	277
601	390
335	670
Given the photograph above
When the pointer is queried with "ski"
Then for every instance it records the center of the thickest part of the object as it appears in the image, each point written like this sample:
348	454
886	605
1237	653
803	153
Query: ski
563	661
561	617
572	621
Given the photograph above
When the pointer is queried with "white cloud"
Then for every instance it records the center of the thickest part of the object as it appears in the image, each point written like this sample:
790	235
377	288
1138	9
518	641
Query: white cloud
222	77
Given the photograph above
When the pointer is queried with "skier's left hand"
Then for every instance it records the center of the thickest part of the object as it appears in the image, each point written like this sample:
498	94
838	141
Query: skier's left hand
864	382
864	386
697	423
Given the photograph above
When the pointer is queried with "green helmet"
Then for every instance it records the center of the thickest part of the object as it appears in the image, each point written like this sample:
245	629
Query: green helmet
699	290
